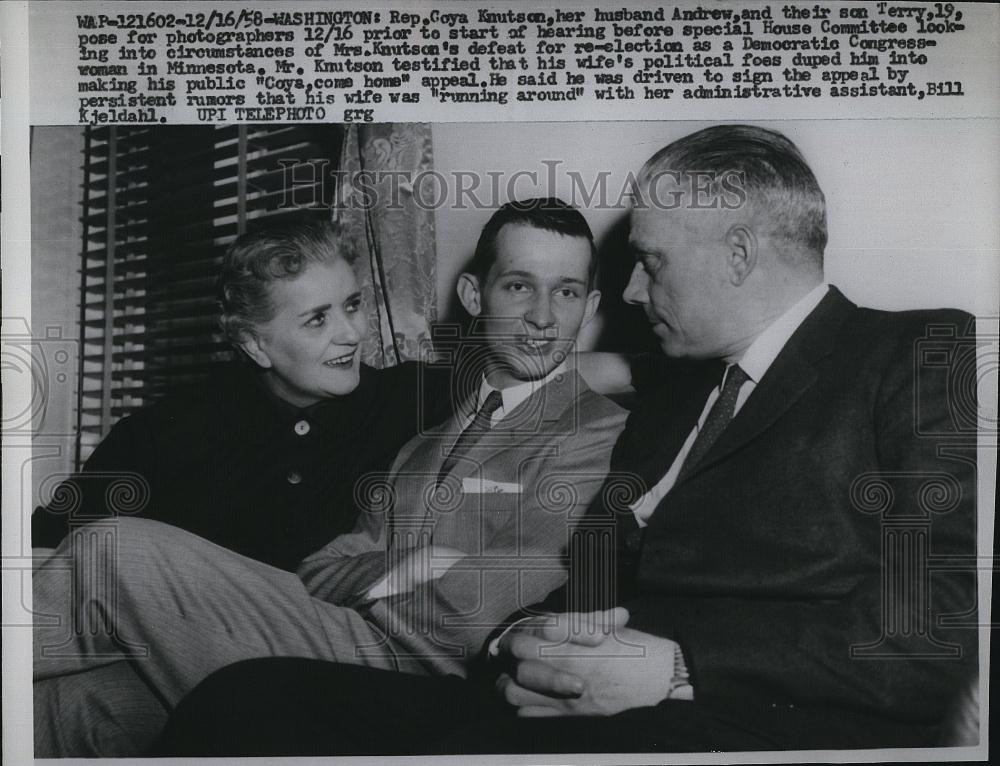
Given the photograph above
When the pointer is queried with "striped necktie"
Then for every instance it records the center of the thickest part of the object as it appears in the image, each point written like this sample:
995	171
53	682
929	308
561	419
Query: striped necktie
480	424
718	418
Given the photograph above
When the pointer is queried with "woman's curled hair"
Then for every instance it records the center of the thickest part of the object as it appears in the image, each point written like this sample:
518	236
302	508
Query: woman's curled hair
264	255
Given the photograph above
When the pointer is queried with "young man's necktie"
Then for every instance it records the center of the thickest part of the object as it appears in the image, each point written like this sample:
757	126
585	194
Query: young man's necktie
479	425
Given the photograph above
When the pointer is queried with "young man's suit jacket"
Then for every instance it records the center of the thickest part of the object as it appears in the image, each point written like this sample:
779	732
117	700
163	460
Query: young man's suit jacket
508	506
791	563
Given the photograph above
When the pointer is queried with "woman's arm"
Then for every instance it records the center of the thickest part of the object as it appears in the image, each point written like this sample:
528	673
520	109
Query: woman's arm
124	456
612	374
606	372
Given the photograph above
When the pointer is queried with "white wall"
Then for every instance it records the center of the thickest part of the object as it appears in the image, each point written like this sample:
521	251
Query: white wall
912	205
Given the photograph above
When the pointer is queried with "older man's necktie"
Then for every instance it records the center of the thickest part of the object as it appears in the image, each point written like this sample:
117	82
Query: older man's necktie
479	425
605	559
718	418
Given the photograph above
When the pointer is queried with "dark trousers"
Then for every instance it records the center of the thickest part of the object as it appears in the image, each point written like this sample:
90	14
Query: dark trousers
299	707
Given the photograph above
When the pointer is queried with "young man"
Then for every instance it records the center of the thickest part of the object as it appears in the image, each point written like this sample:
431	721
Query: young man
473	521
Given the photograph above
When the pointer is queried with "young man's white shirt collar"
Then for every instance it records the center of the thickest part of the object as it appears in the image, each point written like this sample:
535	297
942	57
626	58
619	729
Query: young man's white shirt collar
755	362
515	395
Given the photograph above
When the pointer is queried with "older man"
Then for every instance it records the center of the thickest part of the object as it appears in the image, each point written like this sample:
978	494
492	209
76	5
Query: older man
767	585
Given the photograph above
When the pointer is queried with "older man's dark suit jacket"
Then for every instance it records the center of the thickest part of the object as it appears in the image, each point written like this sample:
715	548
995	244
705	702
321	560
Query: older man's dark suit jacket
769	560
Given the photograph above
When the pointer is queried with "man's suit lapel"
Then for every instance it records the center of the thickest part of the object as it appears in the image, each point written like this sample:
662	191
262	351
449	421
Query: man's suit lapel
425	454
660	422
791	374
441	439
538	414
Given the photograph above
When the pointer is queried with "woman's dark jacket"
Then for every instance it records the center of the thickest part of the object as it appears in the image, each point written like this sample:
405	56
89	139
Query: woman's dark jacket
232	463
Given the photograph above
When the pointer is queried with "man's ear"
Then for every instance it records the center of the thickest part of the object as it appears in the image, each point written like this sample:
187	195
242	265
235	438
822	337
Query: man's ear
593	303
741	244
252	348
469	293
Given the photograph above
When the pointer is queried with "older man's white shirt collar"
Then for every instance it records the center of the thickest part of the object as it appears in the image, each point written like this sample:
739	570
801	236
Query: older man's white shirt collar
757	359
514	395
755	362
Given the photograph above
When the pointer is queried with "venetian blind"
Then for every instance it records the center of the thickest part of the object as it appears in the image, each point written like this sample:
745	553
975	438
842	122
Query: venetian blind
160	205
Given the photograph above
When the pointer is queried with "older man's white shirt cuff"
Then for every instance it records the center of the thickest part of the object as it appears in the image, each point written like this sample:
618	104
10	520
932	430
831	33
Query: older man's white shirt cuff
494	648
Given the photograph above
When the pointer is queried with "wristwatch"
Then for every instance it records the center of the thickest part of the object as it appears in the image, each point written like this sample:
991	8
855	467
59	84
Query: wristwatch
680	684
